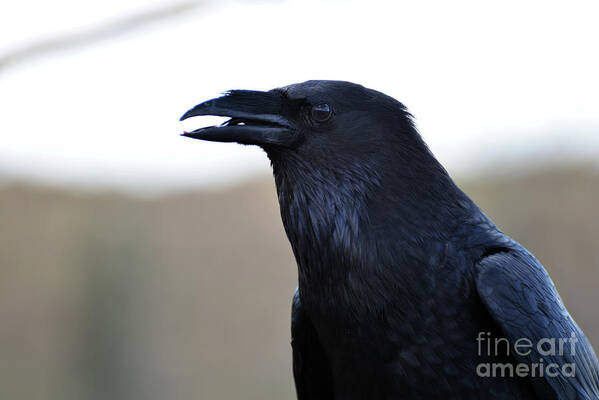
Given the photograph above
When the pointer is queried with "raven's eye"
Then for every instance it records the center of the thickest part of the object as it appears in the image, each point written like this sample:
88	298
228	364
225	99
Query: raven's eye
321	112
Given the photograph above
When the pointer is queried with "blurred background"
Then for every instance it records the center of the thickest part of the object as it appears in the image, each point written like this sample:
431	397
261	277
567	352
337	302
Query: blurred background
135	263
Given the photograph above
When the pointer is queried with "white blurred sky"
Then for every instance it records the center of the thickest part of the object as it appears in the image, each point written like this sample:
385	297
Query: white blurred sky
488	83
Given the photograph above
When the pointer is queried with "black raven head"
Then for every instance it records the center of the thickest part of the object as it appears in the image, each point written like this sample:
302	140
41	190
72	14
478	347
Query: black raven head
312	119
342	155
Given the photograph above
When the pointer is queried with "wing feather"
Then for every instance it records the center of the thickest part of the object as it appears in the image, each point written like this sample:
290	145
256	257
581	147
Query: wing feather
523	301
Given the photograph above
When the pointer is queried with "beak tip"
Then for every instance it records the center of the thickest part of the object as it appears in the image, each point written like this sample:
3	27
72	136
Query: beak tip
200	109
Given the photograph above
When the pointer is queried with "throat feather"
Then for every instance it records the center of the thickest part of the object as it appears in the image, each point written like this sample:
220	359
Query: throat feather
323	212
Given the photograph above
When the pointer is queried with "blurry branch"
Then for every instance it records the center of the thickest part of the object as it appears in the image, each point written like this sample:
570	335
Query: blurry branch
96	34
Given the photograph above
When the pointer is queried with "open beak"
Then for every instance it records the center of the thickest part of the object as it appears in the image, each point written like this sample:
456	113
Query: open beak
255	119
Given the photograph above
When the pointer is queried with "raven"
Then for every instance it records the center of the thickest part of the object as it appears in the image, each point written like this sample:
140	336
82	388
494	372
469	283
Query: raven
406	289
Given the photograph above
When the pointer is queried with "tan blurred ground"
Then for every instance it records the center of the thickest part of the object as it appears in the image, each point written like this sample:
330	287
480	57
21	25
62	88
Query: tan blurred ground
188	296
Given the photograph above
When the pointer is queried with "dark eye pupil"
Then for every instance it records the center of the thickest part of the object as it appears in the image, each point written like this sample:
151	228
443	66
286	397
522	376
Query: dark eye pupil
321	112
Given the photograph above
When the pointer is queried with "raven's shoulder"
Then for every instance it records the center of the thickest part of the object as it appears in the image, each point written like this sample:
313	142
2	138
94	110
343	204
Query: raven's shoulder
523	301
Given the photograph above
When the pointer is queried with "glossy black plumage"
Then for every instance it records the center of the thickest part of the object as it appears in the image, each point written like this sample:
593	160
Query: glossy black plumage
399	271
